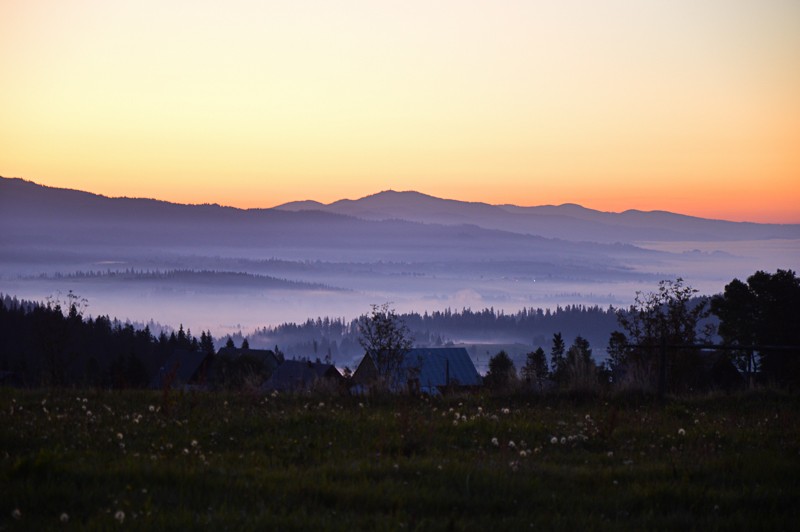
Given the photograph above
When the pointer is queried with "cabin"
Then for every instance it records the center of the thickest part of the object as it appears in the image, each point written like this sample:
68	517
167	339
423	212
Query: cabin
237	368
183	369
265	356
303	375
423	370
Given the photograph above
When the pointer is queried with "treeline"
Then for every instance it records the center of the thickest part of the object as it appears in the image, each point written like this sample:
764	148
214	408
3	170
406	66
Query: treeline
185	275
665	343
338	338
53	345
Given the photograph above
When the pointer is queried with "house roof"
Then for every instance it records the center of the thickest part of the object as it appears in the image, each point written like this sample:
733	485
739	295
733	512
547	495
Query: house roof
267	356
439	367
432	367
184	363
299	374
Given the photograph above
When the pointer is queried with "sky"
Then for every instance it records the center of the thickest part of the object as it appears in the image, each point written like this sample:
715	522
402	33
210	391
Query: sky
691	106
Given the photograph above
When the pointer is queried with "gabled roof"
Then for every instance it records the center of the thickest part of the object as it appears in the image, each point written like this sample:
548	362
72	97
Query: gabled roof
438	367
299	375
187	366
431	368
267	356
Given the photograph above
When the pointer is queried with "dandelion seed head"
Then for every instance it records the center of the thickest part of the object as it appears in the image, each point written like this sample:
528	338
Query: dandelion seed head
681	432
16	513
563	440
119	516
511	444
495	442
554	440
64	517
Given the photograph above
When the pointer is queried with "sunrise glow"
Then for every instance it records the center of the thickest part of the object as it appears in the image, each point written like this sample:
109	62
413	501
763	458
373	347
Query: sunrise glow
679	105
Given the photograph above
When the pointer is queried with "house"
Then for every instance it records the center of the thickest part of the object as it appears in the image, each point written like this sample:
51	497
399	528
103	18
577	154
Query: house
236	368
423	370
265	356
302	375
183	369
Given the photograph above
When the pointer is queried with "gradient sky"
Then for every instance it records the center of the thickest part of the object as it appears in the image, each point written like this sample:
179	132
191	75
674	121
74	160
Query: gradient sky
691	106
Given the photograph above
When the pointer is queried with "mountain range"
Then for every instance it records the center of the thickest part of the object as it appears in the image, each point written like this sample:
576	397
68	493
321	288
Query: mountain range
568	221
29	207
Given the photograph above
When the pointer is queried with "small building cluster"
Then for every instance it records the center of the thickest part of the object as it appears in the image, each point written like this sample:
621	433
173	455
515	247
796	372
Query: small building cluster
422	370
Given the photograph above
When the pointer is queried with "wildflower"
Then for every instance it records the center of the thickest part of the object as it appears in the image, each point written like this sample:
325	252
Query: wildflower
151	408
554	440
681	432
89	413
480	409
119	435
194	443
64	518
495	442
16	513
512	445
119	516
505	411
563	440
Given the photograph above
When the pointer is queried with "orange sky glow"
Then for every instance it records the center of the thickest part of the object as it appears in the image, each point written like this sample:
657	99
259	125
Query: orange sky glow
679	105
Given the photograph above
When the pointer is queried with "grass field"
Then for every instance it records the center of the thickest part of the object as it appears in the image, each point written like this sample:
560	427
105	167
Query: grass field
106	460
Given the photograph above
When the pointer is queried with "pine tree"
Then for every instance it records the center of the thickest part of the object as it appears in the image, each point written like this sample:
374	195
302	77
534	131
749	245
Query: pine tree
557	360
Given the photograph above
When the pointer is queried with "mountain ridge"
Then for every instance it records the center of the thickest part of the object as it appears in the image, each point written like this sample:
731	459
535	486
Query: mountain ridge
568	221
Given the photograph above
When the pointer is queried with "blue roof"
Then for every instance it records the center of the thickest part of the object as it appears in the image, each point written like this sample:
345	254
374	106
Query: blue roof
436	367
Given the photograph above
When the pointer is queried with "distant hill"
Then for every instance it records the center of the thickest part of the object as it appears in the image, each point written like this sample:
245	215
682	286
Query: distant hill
568	221
32	214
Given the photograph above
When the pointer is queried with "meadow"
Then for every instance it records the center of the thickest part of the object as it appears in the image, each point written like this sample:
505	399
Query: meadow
100	460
